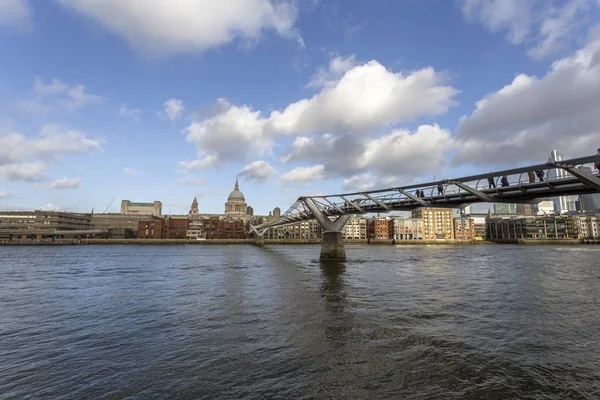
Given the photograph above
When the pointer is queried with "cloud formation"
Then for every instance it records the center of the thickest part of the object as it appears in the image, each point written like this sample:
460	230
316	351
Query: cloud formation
258	171
531	116
5	195
305	174
134	113
130	171
16	14
65	183
365	98
23	158
550	25
56	95
174	108
189	26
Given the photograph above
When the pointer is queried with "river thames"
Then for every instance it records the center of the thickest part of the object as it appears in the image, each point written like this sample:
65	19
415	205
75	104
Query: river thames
243	322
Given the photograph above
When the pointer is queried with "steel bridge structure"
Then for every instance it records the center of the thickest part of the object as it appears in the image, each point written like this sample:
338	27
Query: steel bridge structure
513	186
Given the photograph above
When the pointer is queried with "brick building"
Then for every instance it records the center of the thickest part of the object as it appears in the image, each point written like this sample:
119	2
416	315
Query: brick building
464	228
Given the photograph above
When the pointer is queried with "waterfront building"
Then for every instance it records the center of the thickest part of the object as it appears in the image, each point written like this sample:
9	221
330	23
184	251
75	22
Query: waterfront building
232	229
464	228
125	224
355	229
438	223
588	226
43	224
479	228
523	228
381	228
307	230
128	207
408	228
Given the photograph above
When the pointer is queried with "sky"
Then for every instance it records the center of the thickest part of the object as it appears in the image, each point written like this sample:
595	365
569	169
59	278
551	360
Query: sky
105	100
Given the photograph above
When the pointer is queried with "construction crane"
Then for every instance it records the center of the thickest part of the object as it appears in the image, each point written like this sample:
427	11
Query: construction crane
108	206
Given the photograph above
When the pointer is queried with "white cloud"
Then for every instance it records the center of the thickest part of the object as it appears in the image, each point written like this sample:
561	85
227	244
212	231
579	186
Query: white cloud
130	112
191	181
130	171
65	183
304	174
360	183
16	14
194	165
174	108
258	171
236	133
5	195
23	158
527	118
56	96
548	25
366	97
52	143
407	153
28	172
186	26
337	67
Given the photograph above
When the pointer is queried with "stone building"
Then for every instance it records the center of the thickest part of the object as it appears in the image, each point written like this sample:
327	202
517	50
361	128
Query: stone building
128	207
236	207
588	226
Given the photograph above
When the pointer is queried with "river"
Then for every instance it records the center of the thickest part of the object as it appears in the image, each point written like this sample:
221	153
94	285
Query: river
243	322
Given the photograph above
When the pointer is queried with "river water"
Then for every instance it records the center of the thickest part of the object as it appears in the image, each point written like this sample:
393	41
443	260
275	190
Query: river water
242	322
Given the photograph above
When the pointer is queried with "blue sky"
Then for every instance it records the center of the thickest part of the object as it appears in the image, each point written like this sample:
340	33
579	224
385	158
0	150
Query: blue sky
165	100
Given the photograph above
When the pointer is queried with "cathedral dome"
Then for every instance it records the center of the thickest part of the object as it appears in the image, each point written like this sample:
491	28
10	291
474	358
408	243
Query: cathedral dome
236	194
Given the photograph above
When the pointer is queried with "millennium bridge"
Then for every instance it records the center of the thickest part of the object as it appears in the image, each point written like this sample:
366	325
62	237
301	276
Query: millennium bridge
514	186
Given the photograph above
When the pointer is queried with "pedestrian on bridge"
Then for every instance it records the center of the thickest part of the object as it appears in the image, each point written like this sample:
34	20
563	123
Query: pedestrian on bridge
597	163
440	189
491	182
504	181
531	176
540	175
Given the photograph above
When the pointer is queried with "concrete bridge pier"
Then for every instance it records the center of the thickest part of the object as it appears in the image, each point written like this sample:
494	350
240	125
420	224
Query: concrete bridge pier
332	245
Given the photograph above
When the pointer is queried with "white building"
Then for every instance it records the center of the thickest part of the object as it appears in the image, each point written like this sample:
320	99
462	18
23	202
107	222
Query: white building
588	226
408	228
355	229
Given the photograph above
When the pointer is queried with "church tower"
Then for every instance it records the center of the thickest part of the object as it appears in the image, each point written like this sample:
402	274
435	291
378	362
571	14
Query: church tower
194	209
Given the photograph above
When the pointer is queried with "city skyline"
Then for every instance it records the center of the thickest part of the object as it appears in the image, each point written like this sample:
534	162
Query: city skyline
295	98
